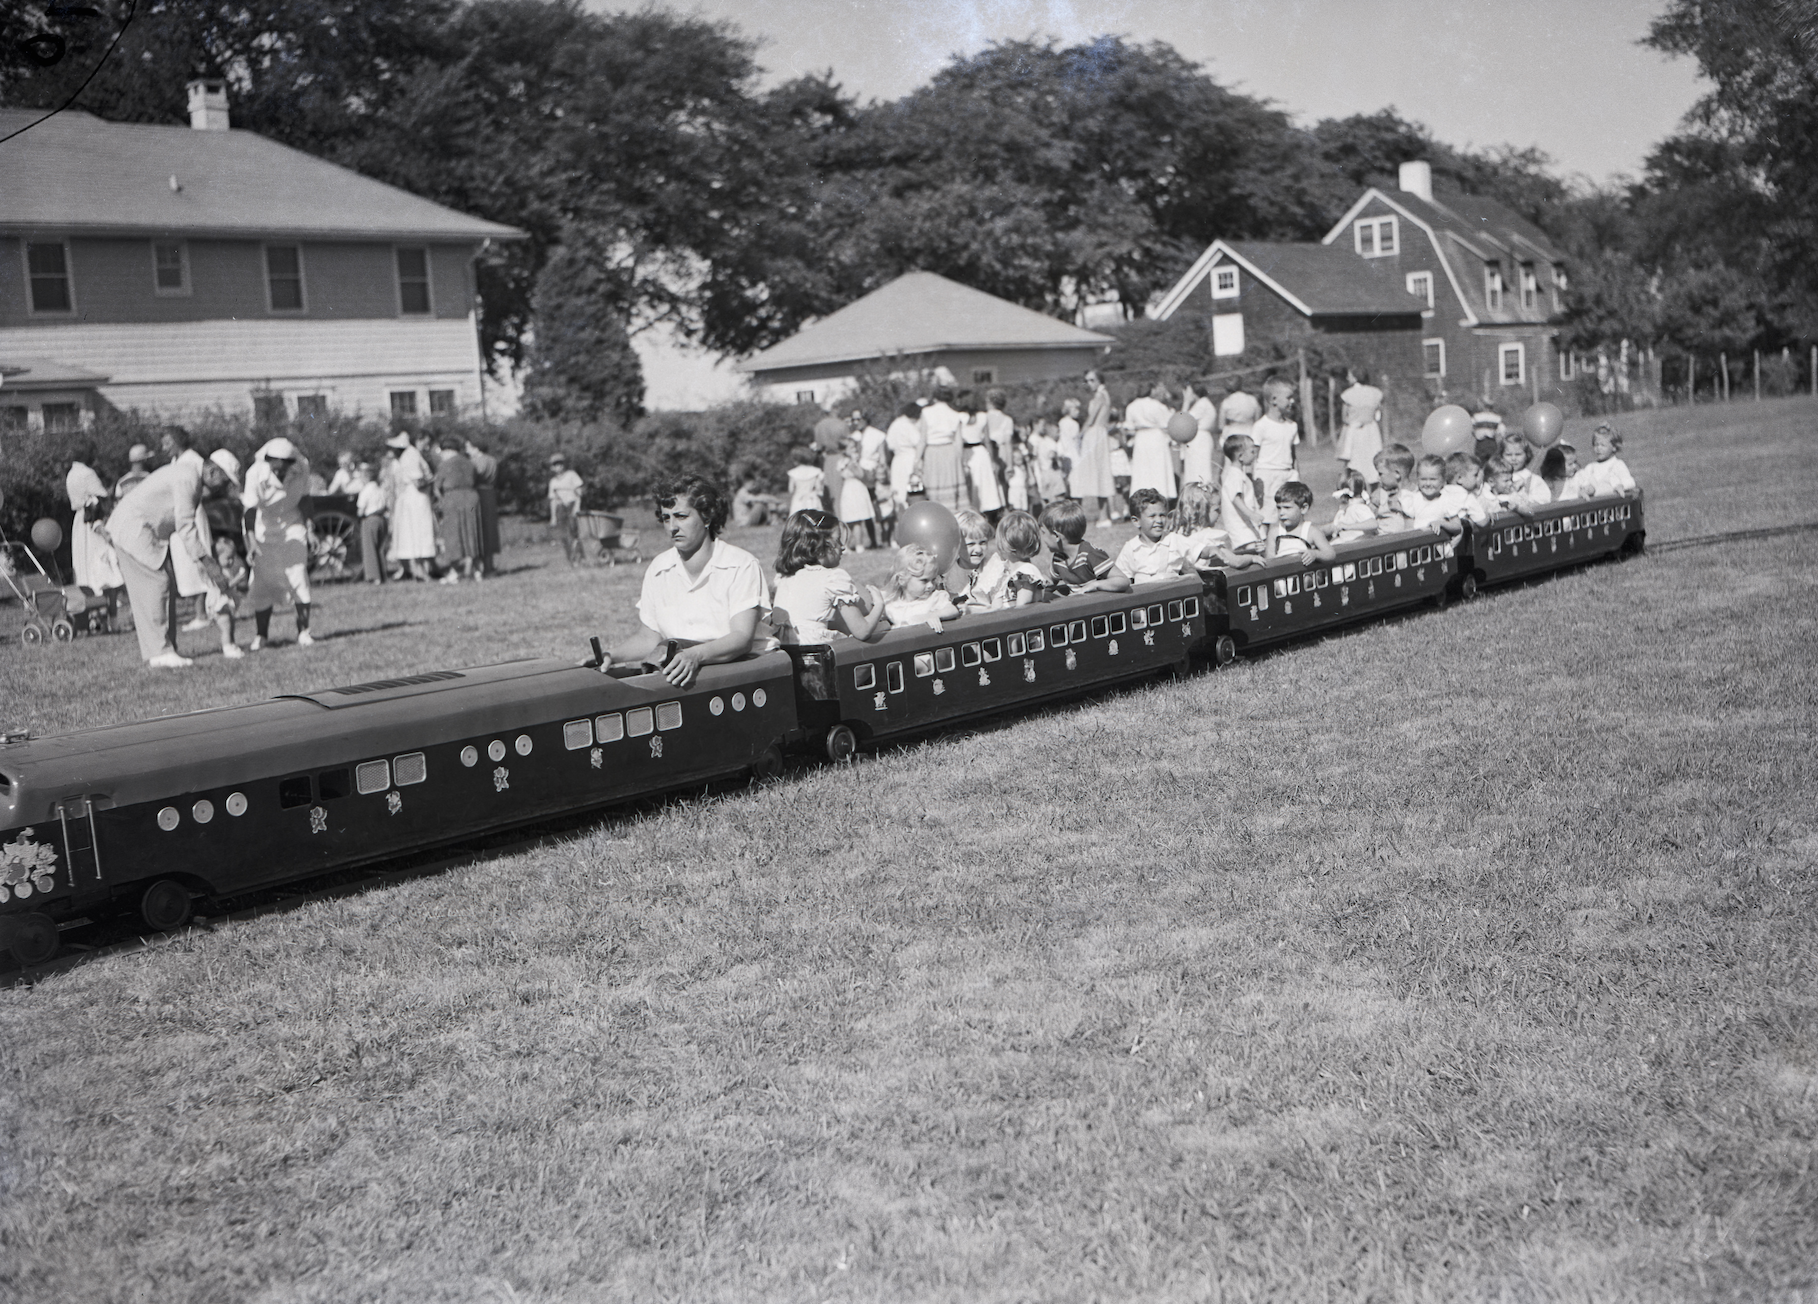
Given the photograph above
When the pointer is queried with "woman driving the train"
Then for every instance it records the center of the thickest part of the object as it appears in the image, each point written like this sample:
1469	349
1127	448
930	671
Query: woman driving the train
701	599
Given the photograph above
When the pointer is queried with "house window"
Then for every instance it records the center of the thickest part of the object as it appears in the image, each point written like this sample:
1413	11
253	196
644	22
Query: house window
284	277
1514	359
403	402
268	408
441	402
1228	334
1224	282
804	396
170	268
1376	237
1530	286
312	407
1565	364
47	266
14	420
984	375
62	418
1435	354
1492	286
413	282
1420	285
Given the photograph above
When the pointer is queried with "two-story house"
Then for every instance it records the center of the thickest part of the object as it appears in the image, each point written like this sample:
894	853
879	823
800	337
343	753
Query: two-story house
176	269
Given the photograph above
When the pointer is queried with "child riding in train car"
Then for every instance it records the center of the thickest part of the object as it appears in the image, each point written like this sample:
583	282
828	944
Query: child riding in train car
1435	505
1239	506
1008	575
1607	473
1194	537
1292	532
1465	471
1146	559
1394	471
914	595
1518	454
977	550
1501	492
1356	518
1559	471
816	600
1076	565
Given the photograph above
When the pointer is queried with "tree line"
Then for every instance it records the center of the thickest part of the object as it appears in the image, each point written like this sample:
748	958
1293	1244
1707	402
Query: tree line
660	182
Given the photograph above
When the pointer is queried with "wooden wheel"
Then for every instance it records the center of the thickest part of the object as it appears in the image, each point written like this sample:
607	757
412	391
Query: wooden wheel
333	543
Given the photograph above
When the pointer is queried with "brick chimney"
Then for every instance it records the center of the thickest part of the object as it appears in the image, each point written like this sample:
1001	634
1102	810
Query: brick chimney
1417	179
208	104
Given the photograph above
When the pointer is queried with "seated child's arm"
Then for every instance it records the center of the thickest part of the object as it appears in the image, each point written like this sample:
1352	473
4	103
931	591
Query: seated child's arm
1112	581
1322	549
1236	560
859	621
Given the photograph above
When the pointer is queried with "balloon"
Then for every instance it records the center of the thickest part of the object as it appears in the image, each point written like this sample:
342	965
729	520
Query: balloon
1448	430
829	433
46	534
1542	424
1182	428
932	526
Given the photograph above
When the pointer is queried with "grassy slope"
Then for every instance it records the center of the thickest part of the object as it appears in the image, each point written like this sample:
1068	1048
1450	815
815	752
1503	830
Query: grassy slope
1469	956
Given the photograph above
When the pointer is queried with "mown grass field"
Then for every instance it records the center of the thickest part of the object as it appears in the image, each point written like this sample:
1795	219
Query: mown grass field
1469	956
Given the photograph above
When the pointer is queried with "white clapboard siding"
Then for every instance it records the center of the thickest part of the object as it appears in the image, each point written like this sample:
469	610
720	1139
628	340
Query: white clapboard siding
187	366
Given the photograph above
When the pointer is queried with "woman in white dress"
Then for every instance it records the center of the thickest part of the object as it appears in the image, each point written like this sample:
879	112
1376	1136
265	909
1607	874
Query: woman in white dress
1151	451
413	516
91	556
943	457
1091	476
981	470
904	439
1199	459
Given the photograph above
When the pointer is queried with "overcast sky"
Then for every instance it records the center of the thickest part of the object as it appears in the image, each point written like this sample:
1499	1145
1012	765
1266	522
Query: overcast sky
1565	75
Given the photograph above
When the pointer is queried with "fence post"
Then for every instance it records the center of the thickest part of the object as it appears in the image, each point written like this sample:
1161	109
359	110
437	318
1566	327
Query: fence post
1691	381
1305	394
1758	375
1723	364
1815	370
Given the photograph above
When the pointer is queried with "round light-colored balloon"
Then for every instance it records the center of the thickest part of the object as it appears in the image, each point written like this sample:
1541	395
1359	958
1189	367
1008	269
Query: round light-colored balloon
933	527
1182	428
1543	424
47	535
829	433
1447	431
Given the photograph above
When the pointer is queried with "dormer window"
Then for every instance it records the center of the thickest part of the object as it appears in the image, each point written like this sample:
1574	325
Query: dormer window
1376	237
1420	285
1530	287
1224	282
1492	286
1559	286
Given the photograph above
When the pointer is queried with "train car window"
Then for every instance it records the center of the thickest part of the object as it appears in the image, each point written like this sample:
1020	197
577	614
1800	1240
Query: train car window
1139	619
1036	642
943	660
294	791
1243	596
924	664
864	676
1057	635
609	728
669	715
1350	571
1016	644
1076	631
1376	565
1192	608
640	720
1117	622
1279	588
1293	584
335	784
893	676
1174	611
373	776
1100	627
409	768
970	654
1155	614
577	734
994	651
1262	598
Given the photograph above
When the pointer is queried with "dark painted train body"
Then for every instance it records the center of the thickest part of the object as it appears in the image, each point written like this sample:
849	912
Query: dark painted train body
146	816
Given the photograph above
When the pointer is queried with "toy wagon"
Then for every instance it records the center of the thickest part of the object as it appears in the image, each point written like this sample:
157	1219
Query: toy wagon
613	542
54	611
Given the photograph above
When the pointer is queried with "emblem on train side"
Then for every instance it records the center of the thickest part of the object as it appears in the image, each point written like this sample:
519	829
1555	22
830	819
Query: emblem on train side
318	819
501	779
394	801
26	866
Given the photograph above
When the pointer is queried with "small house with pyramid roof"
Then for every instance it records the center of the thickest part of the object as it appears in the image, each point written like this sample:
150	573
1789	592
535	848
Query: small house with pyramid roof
923	323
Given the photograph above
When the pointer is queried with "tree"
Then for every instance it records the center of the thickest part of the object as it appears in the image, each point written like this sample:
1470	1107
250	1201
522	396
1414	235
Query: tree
581	366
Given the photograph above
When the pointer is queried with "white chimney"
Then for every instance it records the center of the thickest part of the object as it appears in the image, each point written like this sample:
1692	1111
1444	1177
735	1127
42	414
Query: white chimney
208	105
1417	179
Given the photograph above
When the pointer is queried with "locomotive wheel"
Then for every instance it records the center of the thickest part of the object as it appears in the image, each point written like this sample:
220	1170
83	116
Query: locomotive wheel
1467	587
62	630
769	765
841	743
33	938
1224	650
32	635
165	905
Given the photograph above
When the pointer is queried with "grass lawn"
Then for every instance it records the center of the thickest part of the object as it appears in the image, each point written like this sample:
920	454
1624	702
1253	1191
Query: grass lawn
1468	956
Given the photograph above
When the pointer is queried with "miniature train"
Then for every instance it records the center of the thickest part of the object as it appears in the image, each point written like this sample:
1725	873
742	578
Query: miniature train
145	817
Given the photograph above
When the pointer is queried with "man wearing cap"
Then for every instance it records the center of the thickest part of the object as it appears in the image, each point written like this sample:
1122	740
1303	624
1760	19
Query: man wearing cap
138	455
277	536
565	488
154	520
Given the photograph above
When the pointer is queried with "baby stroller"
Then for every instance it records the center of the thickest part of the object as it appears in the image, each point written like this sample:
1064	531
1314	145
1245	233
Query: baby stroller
615	544
52	610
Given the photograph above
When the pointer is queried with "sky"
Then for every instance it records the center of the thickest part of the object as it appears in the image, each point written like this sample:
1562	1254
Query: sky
1564	75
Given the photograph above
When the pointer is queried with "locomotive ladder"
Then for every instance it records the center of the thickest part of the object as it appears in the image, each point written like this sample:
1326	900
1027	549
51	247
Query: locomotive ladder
80	844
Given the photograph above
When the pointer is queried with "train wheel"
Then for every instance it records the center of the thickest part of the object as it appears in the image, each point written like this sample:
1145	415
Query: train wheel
769	765
1224	650
32	635
34	938
164	905
841	743
62	630
1467	587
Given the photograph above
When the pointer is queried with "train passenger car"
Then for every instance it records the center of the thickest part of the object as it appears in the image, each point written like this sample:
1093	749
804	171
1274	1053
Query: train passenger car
1513	547
1287	599
915	678
225	801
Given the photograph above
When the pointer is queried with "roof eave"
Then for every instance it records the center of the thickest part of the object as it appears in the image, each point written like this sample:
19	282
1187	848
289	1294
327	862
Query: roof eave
148	230
757	364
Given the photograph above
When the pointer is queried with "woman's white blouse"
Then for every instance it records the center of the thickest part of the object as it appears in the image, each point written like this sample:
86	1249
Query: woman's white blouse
700	608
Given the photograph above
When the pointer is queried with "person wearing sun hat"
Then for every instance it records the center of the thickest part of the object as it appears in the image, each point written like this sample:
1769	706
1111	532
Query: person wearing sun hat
138	455
413	516
277	540
155	518
565	487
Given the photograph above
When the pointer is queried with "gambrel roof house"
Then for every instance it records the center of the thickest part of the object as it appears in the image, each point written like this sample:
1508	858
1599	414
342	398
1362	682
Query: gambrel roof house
1457	291
182	268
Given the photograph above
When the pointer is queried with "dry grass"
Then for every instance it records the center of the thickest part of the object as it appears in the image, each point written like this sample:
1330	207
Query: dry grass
1469	956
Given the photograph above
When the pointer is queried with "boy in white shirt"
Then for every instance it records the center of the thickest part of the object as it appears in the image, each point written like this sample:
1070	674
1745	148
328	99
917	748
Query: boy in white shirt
1146	559
565	486
1239	509
1519	457
373	504
1607	474
1437	506
1500	492
1276	436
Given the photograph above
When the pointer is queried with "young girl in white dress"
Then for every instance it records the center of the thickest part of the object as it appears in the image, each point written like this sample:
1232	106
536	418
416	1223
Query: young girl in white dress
1194	537
855	498
1356	517
914	596
807	482
816	601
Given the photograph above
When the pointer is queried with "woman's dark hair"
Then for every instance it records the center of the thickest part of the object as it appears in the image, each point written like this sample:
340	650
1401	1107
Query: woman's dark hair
1552	466
699	494
912	410
83	452
810	538
451	443
177	436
